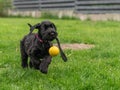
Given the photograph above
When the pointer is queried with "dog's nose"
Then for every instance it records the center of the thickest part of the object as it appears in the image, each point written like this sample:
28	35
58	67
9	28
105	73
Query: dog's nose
52	33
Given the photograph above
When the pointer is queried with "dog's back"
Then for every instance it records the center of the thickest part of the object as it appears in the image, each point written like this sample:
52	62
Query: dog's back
27	41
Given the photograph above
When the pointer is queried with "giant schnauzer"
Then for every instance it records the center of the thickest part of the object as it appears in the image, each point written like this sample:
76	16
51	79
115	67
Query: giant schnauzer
36	46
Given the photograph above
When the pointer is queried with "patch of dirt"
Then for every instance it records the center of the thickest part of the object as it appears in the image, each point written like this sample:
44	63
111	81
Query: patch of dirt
77	46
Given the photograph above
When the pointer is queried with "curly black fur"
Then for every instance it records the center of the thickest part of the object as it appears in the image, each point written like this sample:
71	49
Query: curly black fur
36	46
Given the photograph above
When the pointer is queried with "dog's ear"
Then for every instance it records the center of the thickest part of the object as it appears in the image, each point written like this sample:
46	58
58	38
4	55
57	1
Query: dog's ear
36	26
54	26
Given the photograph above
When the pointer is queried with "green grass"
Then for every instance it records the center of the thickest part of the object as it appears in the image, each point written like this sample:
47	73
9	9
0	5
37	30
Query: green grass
93	69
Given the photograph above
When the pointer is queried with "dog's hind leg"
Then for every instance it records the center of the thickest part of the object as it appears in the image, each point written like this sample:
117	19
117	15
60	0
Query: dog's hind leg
30	64
24	56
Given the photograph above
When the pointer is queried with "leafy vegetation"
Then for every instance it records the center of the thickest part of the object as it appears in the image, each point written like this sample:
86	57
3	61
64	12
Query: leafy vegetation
93	69
49	15
4	6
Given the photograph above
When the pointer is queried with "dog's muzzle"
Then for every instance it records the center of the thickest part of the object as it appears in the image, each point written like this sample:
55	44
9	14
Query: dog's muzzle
52	35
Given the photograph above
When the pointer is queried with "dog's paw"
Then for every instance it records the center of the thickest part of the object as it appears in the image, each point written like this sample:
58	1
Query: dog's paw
24	65
45	72
43	69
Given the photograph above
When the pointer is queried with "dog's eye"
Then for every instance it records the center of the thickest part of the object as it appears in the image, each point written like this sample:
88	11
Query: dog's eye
51	26
46	27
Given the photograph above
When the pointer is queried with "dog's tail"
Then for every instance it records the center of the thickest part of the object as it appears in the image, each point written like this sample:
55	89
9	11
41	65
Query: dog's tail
36	26
31	28
61	51
29	25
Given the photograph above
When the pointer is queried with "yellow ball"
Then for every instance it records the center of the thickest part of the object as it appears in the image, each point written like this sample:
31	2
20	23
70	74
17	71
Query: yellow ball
53	51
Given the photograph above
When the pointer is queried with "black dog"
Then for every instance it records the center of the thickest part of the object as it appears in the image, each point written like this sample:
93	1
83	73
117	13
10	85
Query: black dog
36	46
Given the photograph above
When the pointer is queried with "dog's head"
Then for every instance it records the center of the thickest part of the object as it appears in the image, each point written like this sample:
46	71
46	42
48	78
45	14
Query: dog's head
46	30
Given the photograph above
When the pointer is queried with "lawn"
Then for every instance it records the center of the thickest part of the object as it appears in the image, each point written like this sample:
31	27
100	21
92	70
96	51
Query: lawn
93	69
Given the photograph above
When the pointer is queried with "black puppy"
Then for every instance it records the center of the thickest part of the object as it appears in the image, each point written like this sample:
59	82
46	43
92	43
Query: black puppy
36	46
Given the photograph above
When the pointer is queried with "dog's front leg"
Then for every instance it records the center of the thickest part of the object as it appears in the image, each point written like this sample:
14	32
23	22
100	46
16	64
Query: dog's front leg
44	64
34	62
